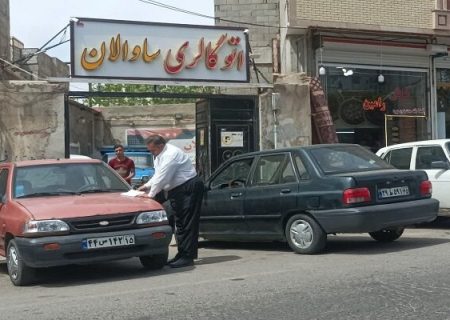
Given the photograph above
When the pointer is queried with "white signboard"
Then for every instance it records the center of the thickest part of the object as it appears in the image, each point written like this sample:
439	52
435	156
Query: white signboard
110	49
231	139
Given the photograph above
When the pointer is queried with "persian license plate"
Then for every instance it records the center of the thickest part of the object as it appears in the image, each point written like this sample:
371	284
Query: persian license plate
108	242
393	192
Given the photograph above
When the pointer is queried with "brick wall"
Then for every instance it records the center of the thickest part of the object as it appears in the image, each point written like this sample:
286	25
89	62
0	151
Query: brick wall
264	12
4	29
392	13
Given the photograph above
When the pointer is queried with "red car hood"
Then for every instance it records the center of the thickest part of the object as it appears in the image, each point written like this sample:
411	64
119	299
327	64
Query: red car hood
85	205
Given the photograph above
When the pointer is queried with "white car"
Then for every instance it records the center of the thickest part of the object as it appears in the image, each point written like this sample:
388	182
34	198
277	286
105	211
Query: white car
431	156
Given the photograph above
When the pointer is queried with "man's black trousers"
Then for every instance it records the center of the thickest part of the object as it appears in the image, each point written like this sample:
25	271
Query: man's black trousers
186	201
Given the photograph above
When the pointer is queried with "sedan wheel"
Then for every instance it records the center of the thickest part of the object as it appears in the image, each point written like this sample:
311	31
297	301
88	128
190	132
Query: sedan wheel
19	273
387	235
304	235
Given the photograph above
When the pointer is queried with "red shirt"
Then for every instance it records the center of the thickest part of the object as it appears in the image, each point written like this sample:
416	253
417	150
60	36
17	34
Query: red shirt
123	167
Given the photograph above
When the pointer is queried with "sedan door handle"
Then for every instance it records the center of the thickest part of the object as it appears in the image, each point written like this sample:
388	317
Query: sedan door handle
236	194
285	190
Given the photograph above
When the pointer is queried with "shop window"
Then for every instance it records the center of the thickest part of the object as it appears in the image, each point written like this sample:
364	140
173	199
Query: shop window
443	96
361	106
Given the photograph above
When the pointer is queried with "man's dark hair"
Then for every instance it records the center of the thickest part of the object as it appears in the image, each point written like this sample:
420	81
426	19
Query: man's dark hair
118	146
156	139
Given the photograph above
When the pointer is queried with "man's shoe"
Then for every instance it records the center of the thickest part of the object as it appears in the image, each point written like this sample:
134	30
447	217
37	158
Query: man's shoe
177	256
182	262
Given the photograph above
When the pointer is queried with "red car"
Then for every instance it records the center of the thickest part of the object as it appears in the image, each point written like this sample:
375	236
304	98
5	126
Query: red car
60	212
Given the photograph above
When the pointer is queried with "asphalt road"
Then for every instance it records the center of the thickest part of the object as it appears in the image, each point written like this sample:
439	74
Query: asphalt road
356	278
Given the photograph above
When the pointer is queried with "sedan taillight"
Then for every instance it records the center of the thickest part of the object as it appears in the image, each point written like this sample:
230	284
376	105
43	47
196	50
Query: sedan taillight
426	188
357	195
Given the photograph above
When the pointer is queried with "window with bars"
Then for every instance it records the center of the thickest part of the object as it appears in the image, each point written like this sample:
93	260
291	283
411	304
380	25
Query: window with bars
134	140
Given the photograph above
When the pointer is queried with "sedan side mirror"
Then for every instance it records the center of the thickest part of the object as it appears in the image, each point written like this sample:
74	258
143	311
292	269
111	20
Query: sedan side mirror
440	165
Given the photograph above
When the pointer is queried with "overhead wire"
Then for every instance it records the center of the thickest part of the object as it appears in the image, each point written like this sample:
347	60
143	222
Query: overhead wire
166	6
44	47
173	8
169	7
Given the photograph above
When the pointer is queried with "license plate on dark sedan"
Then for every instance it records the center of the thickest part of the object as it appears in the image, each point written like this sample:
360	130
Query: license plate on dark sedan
108	242
393	192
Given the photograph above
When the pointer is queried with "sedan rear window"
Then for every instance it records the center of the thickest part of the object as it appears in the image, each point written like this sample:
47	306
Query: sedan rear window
340	159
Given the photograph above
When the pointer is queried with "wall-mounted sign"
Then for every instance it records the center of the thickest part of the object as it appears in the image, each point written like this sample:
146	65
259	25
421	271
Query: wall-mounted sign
231	139
202	137
405	103
158	51
409	111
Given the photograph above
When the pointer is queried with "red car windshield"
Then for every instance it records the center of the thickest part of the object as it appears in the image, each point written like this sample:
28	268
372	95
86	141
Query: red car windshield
67	178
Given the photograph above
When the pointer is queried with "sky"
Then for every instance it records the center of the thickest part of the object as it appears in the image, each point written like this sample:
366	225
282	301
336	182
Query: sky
34	22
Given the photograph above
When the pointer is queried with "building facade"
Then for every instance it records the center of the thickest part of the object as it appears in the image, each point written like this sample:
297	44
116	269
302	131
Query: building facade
33	124
383	64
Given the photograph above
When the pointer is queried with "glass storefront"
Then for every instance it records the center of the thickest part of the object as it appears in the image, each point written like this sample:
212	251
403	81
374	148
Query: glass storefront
374	110
443	97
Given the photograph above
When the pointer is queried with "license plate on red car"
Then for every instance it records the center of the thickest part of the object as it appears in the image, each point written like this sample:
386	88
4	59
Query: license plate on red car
108	242
384	193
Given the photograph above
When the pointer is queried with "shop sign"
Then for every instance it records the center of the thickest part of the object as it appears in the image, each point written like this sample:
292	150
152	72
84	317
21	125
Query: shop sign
372	105
405	103
416	111
158	51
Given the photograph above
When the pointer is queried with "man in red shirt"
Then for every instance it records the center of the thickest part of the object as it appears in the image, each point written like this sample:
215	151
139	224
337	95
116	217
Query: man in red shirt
122	164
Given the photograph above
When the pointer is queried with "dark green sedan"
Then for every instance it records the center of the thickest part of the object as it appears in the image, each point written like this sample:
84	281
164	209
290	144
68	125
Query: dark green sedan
300	195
